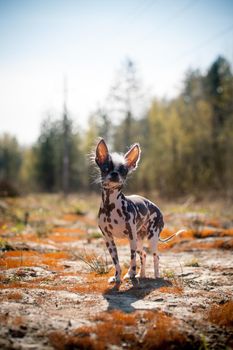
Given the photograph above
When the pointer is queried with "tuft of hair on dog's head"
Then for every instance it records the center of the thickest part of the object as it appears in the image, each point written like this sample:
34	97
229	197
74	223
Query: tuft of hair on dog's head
115	167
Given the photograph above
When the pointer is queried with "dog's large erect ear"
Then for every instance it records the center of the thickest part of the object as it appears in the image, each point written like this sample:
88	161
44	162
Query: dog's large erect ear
102	153
132	156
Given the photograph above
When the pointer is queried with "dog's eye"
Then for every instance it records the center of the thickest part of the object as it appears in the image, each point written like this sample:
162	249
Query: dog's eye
123	170
106	168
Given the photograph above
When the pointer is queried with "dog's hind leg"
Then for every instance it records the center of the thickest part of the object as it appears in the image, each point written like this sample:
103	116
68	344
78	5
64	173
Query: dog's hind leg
153	242
142	254
132	269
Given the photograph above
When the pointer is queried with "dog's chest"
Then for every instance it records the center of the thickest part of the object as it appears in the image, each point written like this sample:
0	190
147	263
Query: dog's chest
115	217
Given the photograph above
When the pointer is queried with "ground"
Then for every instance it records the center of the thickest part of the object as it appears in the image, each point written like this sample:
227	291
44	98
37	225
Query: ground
54	269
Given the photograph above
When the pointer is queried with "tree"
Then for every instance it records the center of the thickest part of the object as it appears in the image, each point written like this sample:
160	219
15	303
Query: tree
55	142
10	159
125	103
219	93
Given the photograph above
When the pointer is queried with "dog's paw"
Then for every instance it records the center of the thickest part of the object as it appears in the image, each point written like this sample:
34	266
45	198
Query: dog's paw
129	276
113	279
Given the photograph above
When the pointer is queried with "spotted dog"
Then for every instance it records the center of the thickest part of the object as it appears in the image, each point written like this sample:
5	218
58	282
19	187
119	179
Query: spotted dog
133	217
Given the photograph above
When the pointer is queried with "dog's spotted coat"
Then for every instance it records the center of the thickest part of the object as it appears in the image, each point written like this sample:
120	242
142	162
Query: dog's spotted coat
134	217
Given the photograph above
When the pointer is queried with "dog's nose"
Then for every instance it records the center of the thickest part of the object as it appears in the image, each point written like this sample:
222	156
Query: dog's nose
114	176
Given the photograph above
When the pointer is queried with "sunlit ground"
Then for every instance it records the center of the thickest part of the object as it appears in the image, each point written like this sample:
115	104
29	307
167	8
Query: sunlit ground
54	272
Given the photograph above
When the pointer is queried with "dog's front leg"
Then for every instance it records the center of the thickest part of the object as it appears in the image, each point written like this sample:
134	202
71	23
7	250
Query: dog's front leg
110	244
133	248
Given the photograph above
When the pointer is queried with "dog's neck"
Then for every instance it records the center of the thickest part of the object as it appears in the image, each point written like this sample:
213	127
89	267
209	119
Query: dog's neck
111	195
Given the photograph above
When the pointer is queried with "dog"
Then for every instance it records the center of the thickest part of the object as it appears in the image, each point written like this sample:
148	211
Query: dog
132	217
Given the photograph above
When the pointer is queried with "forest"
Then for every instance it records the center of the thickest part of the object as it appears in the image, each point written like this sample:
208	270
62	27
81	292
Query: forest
186	141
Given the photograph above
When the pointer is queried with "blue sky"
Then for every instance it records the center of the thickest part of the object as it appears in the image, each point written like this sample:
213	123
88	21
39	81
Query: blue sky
87	40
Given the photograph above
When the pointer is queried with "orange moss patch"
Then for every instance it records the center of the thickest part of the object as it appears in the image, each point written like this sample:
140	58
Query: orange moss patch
18	321
157	331
187	235
222	315
172	290
59	238
93	283
14	296
68	230
20	253
90	283
164	333
21	258
118	316
32	285
57	255
213	222
86	220
227	232
70	217
205	232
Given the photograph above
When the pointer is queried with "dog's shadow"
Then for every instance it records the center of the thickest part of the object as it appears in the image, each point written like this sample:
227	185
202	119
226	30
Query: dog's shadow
123	297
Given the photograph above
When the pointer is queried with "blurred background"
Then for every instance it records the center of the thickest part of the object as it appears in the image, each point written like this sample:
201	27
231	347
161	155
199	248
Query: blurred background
149	71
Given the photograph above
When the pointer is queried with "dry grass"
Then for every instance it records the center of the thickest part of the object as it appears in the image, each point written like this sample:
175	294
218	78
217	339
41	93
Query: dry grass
222	315
192	263
96	263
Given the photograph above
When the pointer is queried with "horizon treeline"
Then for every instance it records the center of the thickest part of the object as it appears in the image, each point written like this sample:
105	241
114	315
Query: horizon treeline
187	141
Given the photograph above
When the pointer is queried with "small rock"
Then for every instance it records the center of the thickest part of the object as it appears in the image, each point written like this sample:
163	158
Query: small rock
17	333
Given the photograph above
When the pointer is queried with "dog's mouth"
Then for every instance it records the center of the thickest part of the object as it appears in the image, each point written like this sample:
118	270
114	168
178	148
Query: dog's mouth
112	184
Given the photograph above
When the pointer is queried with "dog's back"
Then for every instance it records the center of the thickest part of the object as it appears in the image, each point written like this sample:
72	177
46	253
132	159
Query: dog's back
148	216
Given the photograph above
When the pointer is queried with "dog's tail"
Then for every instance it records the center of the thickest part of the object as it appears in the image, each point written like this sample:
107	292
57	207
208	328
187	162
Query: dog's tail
169	238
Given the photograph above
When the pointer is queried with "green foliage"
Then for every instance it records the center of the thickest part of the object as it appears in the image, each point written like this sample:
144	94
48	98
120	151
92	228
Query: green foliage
49	153
10	163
